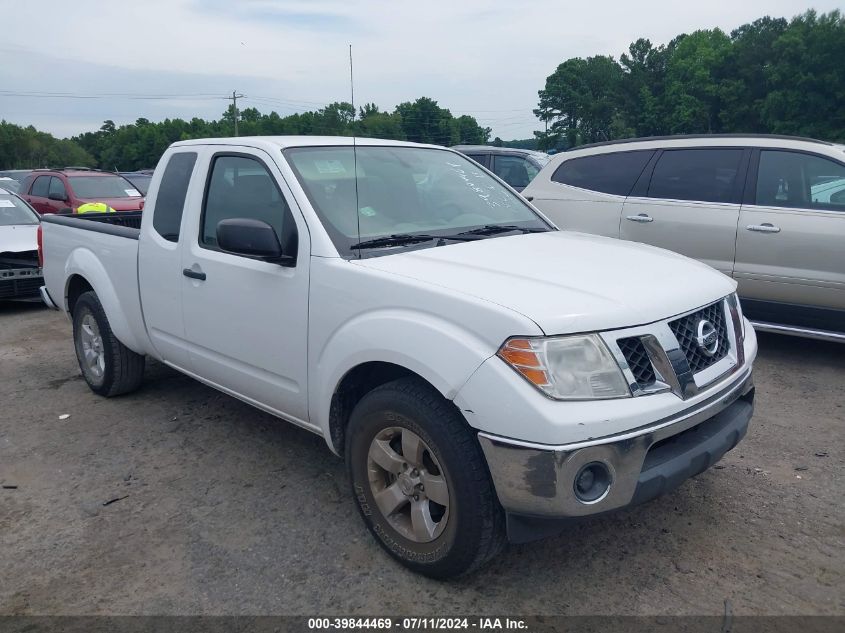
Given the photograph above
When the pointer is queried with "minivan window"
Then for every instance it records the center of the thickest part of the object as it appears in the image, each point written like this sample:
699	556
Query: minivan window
170	202
794	179
613	173
241	187
707	175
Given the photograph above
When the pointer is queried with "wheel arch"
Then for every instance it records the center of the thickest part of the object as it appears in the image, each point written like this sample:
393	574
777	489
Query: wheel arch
85	272
354	385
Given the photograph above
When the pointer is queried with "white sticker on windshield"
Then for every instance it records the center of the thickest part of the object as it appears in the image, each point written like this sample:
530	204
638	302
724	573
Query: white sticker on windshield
133	193
329	166
6	203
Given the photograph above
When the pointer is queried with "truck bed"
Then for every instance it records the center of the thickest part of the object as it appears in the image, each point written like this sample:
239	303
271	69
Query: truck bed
101	250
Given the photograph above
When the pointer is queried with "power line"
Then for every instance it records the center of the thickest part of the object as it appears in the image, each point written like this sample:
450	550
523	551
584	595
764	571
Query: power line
106	95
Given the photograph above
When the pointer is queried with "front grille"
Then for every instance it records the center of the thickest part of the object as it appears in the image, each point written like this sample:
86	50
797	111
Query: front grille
685	330
20	288
638	361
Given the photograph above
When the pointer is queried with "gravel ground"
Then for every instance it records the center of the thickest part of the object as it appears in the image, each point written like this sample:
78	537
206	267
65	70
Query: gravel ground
180	500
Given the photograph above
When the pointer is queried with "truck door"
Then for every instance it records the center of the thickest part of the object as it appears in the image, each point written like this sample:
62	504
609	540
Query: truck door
246	320
160	258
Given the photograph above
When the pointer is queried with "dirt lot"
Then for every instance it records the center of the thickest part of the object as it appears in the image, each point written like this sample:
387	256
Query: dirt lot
217	508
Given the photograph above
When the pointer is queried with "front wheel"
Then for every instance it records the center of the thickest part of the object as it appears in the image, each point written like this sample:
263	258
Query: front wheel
420	480
108	366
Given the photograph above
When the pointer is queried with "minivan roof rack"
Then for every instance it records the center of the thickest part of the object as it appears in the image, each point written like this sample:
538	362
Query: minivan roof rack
622	141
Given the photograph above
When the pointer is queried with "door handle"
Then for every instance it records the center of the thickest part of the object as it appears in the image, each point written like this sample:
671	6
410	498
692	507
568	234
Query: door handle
642	217
529	198
193	274
766	227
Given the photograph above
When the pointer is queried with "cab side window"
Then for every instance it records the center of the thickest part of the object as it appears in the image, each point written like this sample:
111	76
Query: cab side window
798	180
41	187
242	187
57	187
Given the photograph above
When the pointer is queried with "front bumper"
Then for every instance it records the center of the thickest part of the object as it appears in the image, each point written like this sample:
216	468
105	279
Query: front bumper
21	283
536	480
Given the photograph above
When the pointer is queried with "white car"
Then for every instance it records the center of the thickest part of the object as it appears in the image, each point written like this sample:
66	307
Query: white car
20	272
767	210
483	374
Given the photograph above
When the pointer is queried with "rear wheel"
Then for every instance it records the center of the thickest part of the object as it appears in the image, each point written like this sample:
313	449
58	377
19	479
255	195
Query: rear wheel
108	366
420	480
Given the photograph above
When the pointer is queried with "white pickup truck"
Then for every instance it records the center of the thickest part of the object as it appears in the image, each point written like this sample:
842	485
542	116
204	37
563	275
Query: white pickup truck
485	375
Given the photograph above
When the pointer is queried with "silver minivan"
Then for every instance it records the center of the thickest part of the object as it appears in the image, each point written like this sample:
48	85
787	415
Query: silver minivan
768	211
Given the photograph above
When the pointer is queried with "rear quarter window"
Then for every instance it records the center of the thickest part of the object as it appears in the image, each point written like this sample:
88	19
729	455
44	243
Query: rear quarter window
170	201
613	173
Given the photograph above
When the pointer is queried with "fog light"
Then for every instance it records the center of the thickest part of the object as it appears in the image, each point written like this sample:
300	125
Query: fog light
592	482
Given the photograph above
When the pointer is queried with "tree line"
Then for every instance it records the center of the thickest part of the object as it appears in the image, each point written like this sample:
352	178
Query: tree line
139	145
772	76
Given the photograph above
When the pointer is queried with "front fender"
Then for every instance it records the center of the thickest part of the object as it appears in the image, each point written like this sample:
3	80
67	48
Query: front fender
118	303
443	353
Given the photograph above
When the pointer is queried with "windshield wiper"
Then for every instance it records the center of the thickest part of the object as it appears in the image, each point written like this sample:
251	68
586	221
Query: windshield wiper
401	239
492	229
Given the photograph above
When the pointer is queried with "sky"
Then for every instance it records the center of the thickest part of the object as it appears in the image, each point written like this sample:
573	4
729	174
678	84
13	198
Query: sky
122	60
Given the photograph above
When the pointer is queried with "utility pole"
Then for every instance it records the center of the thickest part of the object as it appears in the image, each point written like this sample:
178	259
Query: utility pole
235	97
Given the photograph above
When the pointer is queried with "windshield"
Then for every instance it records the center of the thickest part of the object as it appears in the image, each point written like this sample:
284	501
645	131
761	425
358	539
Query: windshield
13	210
141	182
103	187
404	190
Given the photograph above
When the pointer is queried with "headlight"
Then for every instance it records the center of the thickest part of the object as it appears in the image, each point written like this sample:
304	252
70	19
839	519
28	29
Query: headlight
567	367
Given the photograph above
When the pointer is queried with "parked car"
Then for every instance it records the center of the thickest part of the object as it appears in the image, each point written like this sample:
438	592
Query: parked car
139	179
12	179
483	374
56	190
517	167
768	211
9	184
20	271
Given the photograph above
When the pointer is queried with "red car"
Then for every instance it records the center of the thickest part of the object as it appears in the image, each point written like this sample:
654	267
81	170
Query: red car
54	190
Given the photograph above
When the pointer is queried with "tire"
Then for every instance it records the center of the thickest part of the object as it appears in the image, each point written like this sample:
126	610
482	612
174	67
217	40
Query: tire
461	526
108	366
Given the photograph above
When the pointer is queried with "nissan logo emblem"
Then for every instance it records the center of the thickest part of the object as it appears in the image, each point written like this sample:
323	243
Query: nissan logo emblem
707	338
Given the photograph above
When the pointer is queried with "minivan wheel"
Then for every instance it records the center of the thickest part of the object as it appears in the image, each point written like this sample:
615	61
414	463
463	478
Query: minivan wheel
108	366
420	480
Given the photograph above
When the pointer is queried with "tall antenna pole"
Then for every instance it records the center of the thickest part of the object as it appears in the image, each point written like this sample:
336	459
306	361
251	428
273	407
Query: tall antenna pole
235	97
351	82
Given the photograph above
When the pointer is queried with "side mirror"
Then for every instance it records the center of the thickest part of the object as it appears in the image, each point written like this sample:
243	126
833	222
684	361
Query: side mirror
252	238
55	195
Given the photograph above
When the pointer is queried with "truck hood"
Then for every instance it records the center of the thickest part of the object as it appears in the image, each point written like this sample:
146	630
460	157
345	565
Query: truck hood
566	282
118	204
18	238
